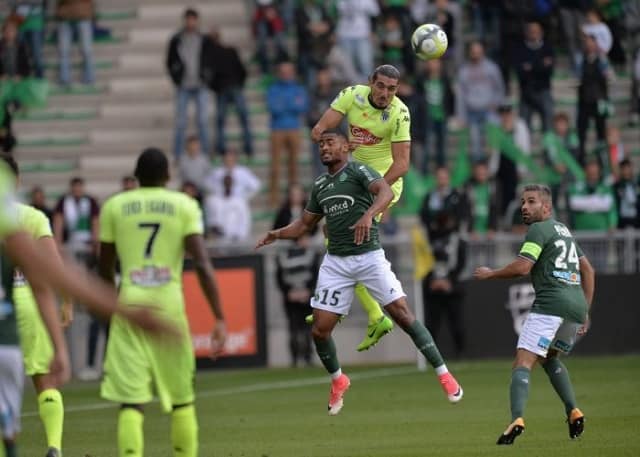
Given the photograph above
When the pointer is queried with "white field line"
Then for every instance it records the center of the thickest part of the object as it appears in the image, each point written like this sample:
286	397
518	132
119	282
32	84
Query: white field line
258	387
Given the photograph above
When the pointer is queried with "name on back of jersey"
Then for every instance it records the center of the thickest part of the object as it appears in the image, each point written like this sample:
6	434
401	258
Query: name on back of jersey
150	276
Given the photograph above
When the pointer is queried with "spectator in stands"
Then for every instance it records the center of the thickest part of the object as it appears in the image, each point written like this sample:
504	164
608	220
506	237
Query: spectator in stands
596	28
297	271
354	32
561	148
593	93
506	169
129	182
31	16
482	198
76	14
292	207
194	192
38	200
533	60
194	166
190	70
245	183
480	90
15	62
392	42
314	26
627	194
612	13
632	28
228	83
444	214
287	101
611	154
268	29
591	202
571	19
634	117
343	71
436	96
228	213
486	23
319	101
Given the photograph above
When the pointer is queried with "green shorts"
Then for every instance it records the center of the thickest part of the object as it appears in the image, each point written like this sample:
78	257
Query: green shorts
137	366
37	349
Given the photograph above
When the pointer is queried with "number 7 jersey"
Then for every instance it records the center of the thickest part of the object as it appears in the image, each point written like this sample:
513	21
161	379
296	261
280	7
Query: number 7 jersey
148	227
556	270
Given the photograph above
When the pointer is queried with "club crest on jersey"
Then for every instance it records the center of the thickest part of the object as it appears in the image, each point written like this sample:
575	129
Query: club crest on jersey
343	177
385	116
365	136
360	99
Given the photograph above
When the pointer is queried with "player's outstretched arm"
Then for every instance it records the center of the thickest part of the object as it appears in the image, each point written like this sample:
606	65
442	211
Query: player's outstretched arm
329	120
588	283
401	154
194	245
519	267
294	230
362	228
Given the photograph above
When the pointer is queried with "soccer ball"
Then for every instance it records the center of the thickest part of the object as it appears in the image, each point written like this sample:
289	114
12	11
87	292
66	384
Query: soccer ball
429	41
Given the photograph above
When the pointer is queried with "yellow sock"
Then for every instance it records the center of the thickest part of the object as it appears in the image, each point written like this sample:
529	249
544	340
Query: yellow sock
372	308
51	411
184	431
130	434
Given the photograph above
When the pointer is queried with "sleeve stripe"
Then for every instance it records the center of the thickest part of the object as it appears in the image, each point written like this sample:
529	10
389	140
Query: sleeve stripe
529	259
531	249
311	212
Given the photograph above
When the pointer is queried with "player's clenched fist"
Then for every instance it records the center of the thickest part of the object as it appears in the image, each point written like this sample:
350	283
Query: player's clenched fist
482	273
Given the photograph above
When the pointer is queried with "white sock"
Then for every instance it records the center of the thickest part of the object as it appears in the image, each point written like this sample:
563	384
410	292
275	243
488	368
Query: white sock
442	369
336	374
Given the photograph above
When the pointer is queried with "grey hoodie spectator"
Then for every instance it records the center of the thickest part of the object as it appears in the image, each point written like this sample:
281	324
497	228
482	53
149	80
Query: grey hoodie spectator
194	166
480	90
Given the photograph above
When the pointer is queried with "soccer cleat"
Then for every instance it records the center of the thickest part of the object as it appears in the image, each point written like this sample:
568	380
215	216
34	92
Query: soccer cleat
576	423
53	452
514	430
338	387
451	388
375	332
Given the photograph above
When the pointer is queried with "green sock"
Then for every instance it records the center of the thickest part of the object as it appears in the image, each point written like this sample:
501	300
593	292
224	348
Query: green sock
130	435
184	431
326	350
424	342
51	411
372	308
10	449
519	391
559	378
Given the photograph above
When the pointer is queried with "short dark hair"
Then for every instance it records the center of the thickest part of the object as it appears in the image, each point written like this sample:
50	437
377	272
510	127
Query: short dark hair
483	162
152	167
542	189
335	131
76	180
562	115
625	163
11	162
192	138
386	70
191	12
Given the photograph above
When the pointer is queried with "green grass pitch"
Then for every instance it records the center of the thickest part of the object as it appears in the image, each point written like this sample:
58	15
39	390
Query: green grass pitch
390	411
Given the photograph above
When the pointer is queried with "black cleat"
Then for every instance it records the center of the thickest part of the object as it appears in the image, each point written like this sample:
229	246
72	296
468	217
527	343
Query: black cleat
514	430
53	452
576	423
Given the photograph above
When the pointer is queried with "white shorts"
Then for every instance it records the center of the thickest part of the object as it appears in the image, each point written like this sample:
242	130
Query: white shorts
339	275
542	332
11	386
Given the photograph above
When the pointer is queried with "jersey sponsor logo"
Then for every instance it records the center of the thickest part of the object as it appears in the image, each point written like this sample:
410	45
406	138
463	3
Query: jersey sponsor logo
567	277
365	137
564	347
341	206
150	276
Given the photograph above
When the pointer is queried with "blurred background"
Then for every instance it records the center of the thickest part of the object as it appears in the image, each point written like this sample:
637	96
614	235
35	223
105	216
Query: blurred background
528	91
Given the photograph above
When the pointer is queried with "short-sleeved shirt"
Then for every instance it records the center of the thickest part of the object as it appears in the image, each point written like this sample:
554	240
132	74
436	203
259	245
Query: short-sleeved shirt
8	225
343	198
376	128
36	224
556	272
148	227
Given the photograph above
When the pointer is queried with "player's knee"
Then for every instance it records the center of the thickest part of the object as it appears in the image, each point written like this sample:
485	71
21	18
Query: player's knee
319	333
400	313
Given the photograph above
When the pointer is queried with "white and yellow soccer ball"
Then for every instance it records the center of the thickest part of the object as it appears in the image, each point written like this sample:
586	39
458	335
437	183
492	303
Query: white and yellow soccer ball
429	41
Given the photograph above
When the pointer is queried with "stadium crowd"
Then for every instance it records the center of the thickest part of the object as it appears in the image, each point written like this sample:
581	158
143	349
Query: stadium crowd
308	50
